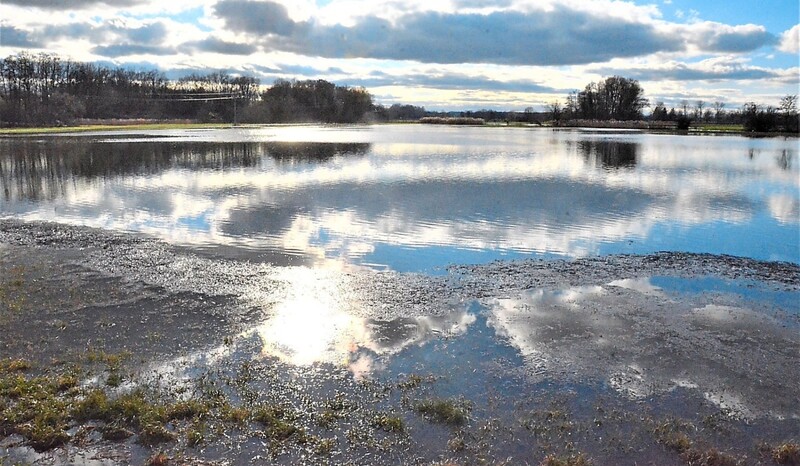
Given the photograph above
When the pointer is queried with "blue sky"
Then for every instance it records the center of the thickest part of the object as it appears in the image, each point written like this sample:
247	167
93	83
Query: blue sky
442	54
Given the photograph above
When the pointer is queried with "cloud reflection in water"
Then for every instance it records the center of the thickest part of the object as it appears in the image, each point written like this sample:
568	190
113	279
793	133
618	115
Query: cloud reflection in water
397	191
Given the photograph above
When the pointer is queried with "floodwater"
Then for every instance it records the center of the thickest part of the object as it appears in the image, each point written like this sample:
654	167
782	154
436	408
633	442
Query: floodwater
313	264
415	198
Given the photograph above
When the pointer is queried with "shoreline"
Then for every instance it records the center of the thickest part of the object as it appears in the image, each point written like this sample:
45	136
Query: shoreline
149	126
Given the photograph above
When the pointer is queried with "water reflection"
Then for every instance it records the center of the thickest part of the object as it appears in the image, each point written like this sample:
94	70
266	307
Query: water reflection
785	159
416	198
317	322
34	170
609	154
642	341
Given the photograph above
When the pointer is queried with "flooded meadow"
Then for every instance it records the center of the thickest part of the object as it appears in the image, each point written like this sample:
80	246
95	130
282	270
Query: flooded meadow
399	294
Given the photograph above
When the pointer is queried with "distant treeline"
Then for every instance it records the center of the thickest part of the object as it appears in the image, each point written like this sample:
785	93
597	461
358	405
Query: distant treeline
303	101
44	89
621	99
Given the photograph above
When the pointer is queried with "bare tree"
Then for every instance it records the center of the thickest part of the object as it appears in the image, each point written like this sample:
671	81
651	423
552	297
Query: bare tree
788	109
719	109
685	106
698	109
555	111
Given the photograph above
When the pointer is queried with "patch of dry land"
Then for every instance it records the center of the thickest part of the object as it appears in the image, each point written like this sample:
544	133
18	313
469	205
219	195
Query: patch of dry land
119	349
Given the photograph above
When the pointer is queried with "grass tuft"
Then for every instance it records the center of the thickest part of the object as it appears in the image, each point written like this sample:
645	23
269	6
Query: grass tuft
787	453
153	434
275	421
710	457
158	459
451	412
13	365
389	423
572	460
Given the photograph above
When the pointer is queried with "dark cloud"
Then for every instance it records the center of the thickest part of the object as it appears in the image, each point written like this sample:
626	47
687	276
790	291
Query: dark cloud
122	50
114	39
440	80
80	30
558	37
454	81
684	72
148	34
215	45
256	17
71	4
14	37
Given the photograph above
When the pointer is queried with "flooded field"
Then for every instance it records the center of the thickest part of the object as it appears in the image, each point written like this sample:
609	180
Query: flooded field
415	198
399	295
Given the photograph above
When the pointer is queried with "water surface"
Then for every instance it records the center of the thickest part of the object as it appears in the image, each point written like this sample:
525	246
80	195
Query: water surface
415	198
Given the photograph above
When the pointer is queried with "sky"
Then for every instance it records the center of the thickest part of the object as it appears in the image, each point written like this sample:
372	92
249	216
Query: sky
440	54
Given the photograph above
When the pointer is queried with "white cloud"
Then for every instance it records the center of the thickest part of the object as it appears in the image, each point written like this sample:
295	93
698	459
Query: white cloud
790	40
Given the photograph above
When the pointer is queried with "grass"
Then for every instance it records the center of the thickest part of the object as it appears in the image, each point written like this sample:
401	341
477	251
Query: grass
14	365
412	381
452	121
158	459
276	422
89	128
12	298
711	457
787	453
389	423
48	407
670	433
572	460
450	412
711	127
195	435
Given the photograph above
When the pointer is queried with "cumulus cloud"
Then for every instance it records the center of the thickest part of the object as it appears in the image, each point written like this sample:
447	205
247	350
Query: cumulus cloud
562	34
709	36
558	36
790	40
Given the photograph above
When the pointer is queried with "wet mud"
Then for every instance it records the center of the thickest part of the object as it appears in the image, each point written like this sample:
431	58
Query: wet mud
658	359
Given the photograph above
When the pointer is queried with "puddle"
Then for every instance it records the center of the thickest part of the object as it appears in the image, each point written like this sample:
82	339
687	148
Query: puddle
592	356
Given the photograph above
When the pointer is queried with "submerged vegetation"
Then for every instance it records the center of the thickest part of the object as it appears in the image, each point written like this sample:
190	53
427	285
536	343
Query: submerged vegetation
51	407
451	412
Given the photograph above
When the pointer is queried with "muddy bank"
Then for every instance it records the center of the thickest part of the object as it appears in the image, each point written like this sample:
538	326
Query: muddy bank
619	359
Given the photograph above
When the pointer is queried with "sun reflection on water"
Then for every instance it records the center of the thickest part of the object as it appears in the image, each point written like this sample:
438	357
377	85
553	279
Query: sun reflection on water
318	321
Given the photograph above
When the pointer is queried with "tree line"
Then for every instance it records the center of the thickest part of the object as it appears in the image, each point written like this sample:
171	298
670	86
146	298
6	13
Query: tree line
619	98
312	100
45	89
